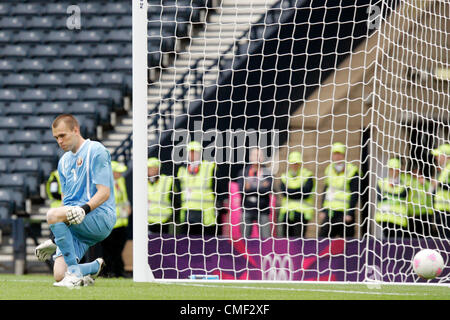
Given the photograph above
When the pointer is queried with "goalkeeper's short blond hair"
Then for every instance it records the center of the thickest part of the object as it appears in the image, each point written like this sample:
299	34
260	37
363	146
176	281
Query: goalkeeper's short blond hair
68	119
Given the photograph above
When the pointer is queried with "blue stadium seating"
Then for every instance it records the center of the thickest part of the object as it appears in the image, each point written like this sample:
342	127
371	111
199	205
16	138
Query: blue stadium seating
14	51
62	65
34	36
17	81
42	50
52	80
12	23
31	65
59	36
52	108
40	22
35	95
3	137
26	9
43	122
11	151
25	136
47	69
7	66
20	109
6	203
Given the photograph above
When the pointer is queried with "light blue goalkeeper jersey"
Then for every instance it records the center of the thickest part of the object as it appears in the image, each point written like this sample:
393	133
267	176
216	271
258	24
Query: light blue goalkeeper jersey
80	173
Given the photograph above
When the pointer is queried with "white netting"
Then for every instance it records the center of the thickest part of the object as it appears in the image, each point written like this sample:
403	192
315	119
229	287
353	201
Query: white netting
295	76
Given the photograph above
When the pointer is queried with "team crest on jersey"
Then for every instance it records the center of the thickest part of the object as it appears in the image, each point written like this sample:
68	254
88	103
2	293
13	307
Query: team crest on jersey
79	161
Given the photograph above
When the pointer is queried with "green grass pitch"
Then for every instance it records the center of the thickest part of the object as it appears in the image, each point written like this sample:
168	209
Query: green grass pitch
40	287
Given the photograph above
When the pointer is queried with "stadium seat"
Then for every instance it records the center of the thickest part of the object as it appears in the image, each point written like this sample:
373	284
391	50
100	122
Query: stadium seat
7	204
90	8
49	80
107	50
25	136
62	65
66	94
12	23
17	81
43	22
127	50
105	95
117	8
30	165
14	51
81	80
93	108
16	181
47	151
6	37
121	64
112	80
4	9
34	36
59	36
4	165
124	22
75	50
19	109
89	36
7	66
12	151
56	9
8	95
52	108
121	35
3	137
31	65
38	122
101	22
42	50
26	9
47	137
35	95
95	64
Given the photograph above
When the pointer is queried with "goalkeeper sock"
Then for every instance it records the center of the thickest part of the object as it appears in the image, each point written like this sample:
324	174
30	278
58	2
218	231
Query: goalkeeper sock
64	241
89	268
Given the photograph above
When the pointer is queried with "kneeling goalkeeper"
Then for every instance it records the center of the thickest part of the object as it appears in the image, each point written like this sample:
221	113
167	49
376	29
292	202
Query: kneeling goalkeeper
88	213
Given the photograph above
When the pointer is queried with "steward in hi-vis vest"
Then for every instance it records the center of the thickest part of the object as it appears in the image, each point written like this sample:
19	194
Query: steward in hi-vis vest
160	195
113	245
393	208
53	189
297	198
196	183
341	194
441	200
420	203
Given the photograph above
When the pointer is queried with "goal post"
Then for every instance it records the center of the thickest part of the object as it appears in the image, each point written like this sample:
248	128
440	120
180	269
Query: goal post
347	104
141	269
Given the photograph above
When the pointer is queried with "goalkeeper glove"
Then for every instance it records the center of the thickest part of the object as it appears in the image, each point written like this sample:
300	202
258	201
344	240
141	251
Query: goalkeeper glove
75	215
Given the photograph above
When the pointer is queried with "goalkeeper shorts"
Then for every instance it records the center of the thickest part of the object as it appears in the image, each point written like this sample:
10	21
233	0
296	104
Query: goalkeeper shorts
96	226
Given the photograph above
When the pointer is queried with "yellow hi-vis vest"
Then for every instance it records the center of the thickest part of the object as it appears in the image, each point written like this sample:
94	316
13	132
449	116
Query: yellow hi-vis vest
121	196
197	193
338	194
420	196
304	206
53	185
393	208
442	196
159	202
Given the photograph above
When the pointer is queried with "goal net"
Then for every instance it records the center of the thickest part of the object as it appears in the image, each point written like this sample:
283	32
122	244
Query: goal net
290	140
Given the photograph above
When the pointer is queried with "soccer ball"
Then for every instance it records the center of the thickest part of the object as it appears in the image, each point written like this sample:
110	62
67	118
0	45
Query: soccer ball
428	264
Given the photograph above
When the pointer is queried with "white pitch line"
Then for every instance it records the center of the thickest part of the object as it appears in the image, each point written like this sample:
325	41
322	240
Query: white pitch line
298	289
